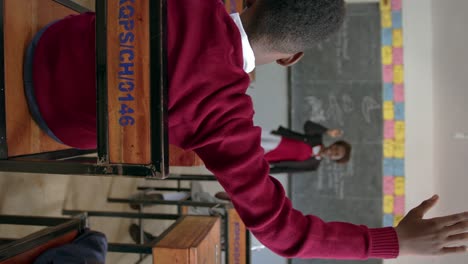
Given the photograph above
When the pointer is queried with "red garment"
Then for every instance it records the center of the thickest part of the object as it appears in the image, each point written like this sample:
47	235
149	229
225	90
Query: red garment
210	113
290	150
64	80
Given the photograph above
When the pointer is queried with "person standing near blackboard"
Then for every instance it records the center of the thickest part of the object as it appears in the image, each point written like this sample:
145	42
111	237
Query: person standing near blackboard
288	151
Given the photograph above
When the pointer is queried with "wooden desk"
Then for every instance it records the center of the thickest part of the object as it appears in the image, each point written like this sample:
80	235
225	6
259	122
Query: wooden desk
132	123
237	236
192	240
237	242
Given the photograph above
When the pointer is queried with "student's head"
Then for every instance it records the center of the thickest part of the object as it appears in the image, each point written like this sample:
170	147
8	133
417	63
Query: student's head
280	30
339	152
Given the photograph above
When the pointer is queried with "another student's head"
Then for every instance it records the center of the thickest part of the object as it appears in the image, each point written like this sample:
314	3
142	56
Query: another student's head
339	152
280	30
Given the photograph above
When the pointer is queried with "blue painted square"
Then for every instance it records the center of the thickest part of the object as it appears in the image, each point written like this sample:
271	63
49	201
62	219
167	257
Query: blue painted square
387	37
399	167
388	92
388	220
388	167
397	20
399	111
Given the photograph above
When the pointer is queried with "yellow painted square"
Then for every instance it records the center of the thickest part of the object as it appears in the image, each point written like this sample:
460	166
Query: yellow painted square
388	110
399	186
386	17
388	204
389	148
397	38
387	55
397	219
385	5
398	76
399	129
399	149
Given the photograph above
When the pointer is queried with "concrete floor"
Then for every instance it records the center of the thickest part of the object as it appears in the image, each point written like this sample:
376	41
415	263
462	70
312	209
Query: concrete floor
47	195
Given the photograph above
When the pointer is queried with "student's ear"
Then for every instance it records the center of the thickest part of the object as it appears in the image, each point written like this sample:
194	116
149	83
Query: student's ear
289	61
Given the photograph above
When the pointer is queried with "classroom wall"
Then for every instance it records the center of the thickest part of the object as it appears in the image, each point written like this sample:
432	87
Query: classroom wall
435	91
419	90
269	94
436	70
450	71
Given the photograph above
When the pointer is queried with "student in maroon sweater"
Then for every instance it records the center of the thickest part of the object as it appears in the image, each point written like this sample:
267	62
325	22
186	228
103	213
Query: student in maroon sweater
288	151
209	54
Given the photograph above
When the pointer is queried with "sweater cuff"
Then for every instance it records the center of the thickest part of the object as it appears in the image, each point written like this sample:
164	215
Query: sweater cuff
383	243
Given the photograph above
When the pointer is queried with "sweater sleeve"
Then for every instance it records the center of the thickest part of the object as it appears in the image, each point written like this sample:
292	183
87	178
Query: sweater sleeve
311	164
236	159
312	128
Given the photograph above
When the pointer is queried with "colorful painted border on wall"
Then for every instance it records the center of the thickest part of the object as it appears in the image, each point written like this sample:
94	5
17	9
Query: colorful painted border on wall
393	112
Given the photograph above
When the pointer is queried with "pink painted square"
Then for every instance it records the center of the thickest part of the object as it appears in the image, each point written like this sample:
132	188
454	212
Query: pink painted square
388	185
399	93
398	56
389	129
396	5
399	205
388	73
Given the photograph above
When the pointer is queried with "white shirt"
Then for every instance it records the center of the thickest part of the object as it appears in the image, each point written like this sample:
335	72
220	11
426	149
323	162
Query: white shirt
316	150
247	51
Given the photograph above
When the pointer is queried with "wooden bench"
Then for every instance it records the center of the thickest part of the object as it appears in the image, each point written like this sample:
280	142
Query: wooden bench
25	250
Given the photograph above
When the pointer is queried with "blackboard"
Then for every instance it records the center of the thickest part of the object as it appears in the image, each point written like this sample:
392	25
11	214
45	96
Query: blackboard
339	84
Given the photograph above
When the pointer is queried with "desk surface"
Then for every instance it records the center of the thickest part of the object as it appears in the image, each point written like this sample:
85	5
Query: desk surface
22	19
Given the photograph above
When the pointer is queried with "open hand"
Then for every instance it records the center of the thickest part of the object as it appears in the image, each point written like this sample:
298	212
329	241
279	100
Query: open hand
334	133
436	236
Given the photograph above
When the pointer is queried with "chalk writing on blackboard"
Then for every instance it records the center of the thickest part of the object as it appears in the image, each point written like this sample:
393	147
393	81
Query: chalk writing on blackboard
314	110
342	48
336	109
332	178
368	105
348	104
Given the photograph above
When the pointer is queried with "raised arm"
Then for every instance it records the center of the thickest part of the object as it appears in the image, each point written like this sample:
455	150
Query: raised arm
236	159
313	129
311	164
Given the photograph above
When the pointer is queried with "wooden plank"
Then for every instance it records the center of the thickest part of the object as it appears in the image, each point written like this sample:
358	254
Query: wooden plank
128	81
180	157
22	19
237	242
193	240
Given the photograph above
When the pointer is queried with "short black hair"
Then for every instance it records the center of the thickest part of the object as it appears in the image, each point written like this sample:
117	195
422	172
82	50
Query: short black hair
347	147
292	26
